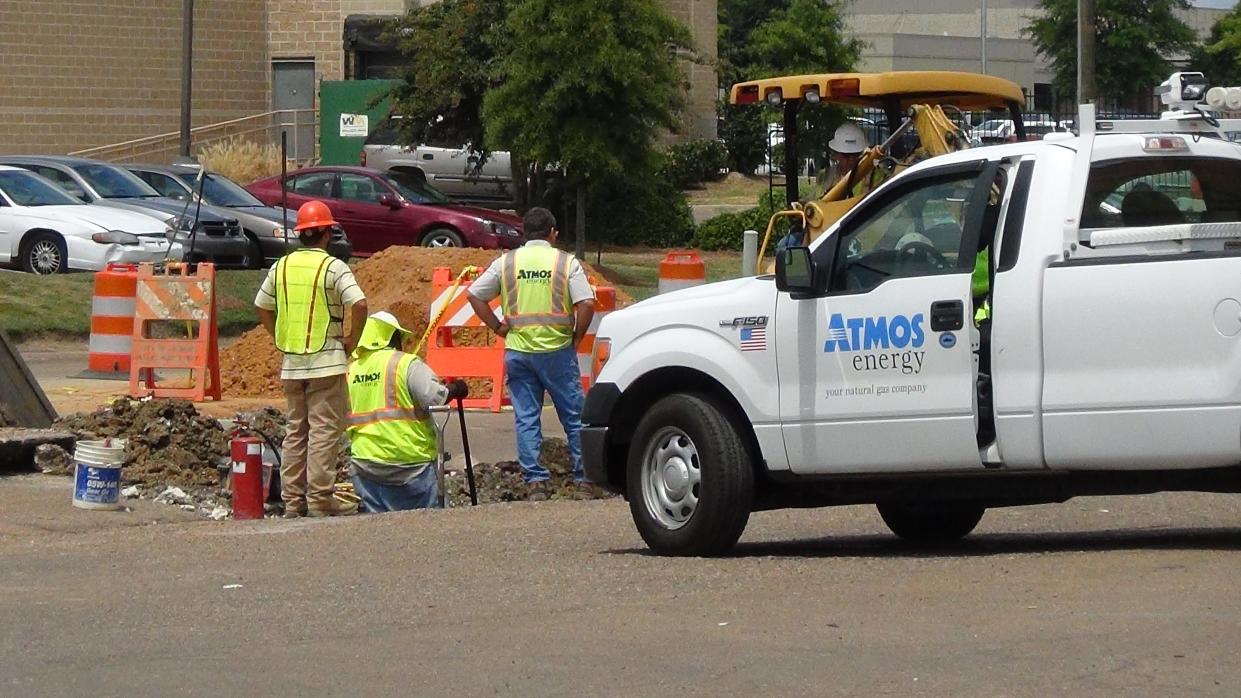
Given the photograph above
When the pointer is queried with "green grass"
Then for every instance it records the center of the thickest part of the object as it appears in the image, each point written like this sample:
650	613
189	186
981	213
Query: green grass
637	273
59	306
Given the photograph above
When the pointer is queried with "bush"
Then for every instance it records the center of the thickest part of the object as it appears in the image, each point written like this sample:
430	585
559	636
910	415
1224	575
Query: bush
240	160
636	209
724	232
744	132
694	162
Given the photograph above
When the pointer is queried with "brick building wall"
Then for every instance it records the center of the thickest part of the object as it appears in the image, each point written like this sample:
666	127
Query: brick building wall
75	74
81	73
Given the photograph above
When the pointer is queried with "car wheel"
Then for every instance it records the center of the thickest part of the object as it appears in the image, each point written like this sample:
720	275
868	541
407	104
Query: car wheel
442	237
931	523
690	478
254	253
45	253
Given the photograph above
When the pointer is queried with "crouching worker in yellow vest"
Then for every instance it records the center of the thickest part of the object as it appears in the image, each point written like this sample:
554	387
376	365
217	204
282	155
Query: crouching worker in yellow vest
393	440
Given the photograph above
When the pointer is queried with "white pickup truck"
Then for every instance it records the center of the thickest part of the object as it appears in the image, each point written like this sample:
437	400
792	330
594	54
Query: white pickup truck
857	373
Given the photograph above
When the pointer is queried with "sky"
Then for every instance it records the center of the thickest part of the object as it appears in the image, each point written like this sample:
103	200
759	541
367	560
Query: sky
1221	4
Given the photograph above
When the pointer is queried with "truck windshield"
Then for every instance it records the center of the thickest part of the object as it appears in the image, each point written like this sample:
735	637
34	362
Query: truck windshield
26	189
415	188
115	183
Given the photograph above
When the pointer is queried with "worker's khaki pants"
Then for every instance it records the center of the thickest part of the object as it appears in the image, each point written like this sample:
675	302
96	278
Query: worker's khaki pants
318	408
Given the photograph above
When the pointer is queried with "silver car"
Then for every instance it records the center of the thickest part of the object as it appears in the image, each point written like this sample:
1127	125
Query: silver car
268	229
451	169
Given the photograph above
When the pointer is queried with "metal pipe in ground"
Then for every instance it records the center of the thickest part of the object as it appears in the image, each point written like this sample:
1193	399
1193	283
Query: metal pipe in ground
749	252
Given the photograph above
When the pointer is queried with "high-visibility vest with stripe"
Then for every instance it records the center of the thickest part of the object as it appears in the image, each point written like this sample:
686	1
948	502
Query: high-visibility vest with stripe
302	314
534	294
386	424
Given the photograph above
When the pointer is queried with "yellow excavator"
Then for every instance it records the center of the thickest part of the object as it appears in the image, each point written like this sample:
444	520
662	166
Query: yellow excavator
917	100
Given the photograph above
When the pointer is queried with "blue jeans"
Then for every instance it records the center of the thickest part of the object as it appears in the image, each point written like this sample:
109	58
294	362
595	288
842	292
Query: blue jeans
529	375
420	493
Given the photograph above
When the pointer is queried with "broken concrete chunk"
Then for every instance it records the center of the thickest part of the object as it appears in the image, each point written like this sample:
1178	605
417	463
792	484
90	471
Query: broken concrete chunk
53	460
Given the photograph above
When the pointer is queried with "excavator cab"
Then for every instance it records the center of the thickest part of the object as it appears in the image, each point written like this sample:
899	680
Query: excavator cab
917	101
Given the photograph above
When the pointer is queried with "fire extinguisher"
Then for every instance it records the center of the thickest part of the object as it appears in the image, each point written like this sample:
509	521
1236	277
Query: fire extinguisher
247	477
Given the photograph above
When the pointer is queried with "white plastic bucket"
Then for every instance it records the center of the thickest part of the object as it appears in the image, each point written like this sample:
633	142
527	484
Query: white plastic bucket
97	474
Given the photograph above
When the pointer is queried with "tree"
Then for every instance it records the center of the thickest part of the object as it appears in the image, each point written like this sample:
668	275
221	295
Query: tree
1219	58
453	49
1133	40
588	84
807	37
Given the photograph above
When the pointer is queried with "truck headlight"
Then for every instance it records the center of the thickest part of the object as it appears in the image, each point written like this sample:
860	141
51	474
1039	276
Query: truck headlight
115	237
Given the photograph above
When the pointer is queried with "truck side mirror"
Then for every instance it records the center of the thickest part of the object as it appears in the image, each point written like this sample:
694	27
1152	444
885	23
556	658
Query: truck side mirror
795	270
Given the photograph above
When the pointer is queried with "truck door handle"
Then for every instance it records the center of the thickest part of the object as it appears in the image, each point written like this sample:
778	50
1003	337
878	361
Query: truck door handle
947	316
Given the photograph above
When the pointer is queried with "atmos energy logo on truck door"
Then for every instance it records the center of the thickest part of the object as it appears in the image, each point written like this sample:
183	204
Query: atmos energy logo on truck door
882	342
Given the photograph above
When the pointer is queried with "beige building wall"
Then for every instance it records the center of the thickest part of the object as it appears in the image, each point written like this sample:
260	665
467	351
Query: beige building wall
76	74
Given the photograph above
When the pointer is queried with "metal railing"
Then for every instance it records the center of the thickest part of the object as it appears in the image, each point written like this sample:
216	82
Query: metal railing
263	129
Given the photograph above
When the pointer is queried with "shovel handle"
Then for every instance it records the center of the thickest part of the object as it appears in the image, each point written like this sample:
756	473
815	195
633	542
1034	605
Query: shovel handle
465	446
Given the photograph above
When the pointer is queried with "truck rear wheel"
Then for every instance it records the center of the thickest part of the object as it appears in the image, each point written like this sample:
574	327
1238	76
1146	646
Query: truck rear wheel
930	523
690	478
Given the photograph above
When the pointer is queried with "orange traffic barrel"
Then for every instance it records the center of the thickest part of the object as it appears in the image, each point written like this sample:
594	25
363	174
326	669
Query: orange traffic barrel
681	270
112	318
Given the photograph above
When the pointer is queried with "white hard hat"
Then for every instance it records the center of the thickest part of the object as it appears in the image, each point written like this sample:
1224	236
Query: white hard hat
849	139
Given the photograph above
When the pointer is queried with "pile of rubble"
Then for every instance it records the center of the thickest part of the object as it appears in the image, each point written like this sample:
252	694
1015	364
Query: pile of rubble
398	280
167	441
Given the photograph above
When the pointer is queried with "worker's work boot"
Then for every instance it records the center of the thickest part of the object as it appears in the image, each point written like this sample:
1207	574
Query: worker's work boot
334	508
294	510
538	492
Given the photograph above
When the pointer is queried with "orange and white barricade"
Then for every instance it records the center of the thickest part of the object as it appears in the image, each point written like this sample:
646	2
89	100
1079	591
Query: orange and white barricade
680	270
112	319
605	302
451	360
175	329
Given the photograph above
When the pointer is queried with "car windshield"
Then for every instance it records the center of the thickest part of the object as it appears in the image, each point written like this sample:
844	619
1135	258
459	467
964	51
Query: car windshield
115	183
26	189
415	188
219	190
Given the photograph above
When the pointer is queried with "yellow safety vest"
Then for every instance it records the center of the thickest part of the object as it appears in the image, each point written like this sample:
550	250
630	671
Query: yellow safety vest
534	294
386	424
302	316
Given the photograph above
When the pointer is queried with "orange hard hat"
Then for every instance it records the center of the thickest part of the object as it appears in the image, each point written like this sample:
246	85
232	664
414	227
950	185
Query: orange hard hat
314	214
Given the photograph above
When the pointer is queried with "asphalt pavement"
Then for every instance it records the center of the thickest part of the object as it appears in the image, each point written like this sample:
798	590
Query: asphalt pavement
1133	595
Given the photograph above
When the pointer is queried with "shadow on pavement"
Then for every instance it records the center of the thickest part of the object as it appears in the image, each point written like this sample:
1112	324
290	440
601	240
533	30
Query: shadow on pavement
986	544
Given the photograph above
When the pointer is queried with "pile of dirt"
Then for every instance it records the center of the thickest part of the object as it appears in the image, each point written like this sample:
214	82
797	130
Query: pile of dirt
502	482
397	279
167	442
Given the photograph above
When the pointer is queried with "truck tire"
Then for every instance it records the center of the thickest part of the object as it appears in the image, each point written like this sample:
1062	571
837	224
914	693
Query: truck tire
690	478
930	523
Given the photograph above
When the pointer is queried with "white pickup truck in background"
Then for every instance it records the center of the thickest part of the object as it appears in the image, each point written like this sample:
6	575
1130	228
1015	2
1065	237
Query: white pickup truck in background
1111	363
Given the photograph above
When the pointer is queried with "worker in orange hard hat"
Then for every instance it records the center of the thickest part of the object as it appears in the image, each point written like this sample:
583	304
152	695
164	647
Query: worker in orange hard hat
302	303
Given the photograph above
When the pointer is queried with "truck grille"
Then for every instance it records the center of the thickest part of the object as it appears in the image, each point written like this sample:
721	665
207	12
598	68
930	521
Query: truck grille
228	228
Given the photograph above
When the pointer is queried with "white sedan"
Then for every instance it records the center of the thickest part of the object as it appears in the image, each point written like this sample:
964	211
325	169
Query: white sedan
45	230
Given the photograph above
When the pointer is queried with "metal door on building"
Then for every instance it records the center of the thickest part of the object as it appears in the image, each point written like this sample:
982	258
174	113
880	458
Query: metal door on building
293	98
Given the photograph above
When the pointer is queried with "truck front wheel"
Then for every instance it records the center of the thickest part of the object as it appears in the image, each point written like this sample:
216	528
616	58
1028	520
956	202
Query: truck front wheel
690	478
930	523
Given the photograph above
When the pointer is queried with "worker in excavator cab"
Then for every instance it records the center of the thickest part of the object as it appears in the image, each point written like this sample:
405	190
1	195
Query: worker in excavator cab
845	148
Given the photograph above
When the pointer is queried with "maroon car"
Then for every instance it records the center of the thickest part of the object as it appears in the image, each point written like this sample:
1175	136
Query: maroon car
381	209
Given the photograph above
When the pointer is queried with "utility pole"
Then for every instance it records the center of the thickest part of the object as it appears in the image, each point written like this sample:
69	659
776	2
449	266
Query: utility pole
982	33
1087	92
187	71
